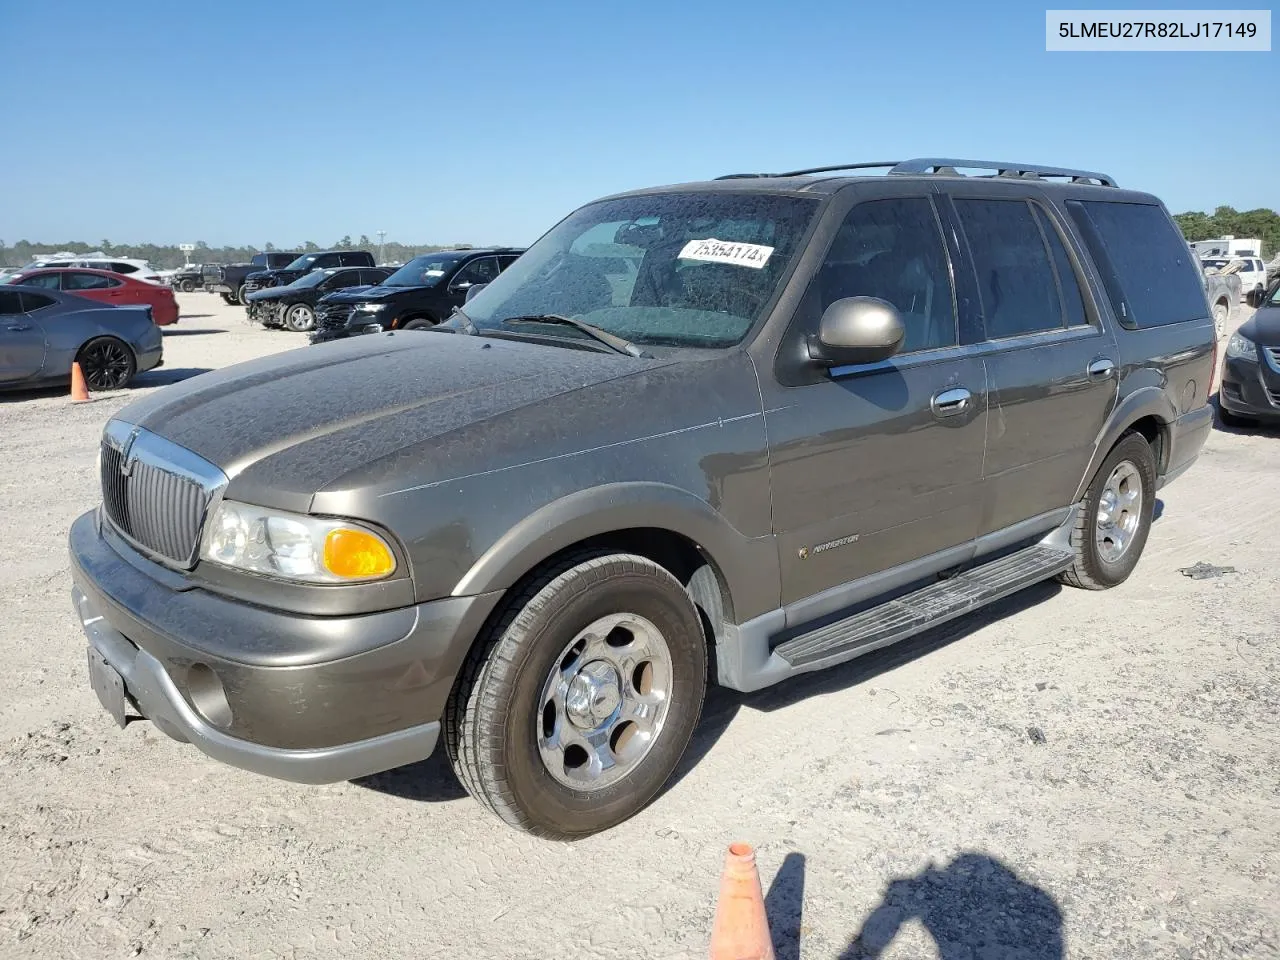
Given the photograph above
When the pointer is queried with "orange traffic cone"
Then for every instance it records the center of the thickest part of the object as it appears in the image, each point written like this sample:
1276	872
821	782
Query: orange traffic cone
741	930
79	392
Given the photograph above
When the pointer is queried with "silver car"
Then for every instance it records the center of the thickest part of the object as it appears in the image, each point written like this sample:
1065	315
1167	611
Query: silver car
42	331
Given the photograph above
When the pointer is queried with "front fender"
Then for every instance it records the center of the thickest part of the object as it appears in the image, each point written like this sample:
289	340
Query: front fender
749	566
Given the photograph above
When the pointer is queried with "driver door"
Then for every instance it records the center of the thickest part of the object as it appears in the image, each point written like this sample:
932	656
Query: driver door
22	340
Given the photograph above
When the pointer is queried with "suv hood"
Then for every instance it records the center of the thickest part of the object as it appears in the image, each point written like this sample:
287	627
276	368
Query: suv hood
285	426
1263	328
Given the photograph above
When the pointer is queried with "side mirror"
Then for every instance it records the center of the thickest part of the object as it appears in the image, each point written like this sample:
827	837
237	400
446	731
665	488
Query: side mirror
857	330
473	289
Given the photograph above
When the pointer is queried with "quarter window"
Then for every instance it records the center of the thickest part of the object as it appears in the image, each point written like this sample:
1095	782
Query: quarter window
35	301
893	250
1016	279
10	303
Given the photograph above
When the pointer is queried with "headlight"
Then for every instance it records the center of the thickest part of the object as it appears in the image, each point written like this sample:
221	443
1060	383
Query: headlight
1241	348
371	307
293	546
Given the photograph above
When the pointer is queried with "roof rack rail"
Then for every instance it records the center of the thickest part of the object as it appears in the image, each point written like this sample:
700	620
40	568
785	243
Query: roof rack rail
945	167
801	173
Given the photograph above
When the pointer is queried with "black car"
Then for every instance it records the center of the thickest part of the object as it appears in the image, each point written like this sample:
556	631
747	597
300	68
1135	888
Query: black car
1250	391
187	278
304	264
420	294
293	305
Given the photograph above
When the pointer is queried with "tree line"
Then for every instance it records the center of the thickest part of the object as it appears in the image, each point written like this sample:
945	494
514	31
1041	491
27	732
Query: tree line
167	256
1262	223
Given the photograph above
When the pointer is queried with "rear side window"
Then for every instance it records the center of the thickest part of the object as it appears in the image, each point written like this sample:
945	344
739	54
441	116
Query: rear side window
1146	266
34	301
10	303
87	281
1016	277
124	268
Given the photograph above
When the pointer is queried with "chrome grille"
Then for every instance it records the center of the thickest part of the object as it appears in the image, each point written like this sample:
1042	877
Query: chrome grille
156	493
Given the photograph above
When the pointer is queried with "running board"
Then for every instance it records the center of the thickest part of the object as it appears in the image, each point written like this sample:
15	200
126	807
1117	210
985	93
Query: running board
925	608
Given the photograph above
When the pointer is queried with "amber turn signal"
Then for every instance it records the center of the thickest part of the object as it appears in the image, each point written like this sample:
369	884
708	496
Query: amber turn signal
357	554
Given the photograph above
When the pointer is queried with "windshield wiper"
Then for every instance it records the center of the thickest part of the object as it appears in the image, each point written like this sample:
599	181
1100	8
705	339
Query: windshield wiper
602	336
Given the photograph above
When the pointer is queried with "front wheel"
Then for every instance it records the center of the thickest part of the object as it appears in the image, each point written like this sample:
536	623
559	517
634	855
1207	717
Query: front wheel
228	299
107	363
420	323
299	318
577	705
1220	312
187	286
1115	518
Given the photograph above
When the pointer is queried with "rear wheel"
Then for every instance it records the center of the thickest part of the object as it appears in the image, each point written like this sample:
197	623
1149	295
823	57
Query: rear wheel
1113	524
299	318
228	299
107	363
578	703
1220	312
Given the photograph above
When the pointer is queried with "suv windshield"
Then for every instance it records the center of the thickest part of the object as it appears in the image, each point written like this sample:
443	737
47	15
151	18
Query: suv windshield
303	262
424	271
675	269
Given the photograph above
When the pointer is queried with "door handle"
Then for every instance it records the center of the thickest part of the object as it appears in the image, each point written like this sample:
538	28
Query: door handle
1101	369
950	403
19	326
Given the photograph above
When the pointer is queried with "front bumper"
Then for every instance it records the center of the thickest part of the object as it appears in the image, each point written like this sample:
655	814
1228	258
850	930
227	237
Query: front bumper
308	699
1250	388
265	312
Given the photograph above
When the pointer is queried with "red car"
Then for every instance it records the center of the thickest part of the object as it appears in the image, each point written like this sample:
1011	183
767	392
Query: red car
105	287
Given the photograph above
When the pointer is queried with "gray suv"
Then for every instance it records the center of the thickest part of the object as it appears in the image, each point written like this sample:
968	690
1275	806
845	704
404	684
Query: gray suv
723	432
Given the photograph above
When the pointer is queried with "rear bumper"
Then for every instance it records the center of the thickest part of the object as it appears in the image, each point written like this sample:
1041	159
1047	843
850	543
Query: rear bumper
218	288
308	699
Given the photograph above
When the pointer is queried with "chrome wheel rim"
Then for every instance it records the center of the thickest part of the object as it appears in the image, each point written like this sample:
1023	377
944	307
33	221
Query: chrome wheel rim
604	702
1119	512
1219	320
300	317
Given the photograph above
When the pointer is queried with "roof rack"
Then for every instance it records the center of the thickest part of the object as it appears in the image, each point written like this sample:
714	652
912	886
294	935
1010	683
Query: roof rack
946	167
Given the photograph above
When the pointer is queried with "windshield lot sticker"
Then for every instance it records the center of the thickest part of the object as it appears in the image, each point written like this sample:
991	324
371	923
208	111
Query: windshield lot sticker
752	255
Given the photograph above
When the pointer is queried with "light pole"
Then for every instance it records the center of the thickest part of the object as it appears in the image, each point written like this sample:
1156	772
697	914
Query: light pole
381	236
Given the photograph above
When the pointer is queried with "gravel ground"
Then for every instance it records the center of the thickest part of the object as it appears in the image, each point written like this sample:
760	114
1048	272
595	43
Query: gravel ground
1073	774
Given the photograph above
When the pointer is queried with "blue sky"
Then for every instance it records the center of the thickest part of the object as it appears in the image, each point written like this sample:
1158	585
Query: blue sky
285	121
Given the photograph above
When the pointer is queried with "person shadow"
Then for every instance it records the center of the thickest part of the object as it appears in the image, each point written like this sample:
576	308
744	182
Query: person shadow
974	908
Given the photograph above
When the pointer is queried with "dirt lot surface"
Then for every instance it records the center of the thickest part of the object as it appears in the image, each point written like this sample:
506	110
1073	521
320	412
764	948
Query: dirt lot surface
1092	775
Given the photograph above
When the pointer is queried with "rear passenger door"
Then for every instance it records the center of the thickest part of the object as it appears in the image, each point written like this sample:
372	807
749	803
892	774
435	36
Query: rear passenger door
1051	366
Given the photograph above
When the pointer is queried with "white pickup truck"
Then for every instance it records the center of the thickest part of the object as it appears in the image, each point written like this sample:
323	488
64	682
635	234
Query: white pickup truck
1251	270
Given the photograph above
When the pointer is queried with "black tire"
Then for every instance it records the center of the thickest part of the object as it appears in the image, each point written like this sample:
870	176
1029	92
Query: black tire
187	286
228	299
1091	569
299	318
1229	419
495	712
419	323
1221	313
242	296
107	363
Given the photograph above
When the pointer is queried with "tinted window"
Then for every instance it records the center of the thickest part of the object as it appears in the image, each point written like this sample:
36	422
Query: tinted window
1150	276
893	250
87	281
343	278
1015	279
1068	282
504	262
34	301
123	268
327	260
477	271
10	303
374	276
47	280
357	259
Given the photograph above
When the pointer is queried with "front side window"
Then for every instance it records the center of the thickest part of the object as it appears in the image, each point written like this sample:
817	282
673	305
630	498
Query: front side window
49	281
424	271
10	303
305	262
343	278
481	270
669	269
893	250
1015	277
